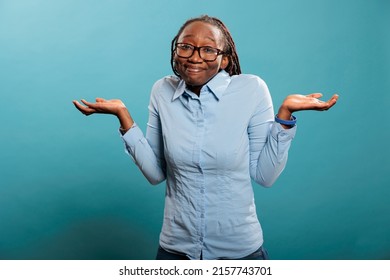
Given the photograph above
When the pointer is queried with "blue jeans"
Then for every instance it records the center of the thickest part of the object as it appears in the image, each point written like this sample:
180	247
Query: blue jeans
259	254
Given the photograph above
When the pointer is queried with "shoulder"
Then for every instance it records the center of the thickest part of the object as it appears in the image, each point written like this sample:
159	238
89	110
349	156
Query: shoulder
253	91
166	83
165	88
248	79
249	85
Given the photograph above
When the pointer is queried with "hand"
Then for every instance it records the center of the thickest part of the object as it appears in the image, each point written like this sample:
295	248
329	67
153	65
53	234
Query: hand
102	106
298	102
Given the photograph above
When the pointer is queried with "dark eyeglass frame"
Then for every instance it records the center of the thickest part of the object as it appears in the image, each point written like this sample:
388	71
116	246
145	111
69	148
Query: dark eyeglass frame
217	51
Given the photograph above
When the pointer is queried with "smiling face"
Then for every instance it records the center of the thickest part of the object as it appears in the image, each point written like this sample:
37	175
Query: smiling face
194	70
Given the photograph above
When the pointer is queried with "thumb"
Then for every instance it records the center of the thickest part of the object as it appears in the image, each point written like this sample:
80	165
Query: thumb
100	99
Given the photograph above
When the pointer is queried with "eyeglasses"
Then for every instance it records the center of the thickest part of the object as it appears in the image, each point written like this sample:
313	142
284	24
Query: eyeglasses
206	53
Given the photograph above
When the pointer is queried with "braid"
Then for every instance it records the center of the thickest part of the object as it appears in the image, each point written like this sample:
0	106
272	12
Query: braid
233	67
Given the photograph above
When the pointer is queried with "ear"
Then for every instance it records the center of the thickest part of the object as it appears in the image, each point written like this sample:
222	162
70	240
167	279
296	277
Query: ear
225	62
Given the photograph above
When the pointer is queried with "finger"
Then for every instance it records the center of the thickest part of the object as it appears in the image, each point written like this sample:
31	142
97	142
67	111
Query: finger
333	100
330	103
85	102
83	109
89	104
315	95
335	97
100	99
77	104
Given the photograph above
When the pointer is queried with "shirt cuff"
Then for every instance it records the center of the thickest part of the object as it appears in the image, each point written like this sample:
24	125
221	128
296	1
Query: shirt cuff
281	134
133	136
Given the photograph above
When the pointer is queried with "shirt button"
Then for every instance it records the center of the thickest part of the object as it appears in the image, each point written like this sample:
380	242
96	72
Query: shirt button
201	191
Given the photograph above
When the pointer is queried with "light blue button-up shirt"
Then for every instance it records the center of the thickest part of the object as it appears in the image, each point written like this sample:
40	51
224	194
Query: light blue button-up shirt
208	148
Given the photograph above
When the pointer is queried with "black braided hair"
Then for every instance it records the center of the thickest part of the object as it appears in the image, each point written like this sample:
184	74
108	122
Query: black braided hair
233	67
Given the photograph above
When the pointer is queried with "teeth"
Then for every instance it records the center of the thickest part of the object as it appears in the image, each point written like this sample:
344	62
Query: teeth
193	69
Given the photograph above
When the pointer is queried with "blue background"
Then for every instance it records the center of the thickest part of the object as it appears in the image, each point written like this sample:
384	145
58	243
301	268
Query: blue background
68	190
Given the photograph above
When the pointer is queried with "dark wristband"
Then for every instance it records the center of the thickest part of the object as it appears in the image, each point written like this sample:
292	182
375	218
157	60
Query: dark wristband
291	122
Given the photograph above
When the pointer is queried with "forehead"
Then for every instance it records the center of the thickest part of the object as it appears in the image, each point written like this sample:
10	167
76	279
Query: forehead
201	31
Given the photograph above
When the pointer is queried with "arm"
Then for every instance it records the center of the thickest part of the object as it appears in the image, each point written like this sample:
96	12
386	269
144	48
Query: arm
148	152
137	145
270	142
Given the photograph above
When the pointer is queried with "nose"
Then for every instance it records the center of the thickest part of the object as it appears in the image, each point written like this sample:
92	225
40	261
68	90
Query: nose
195	57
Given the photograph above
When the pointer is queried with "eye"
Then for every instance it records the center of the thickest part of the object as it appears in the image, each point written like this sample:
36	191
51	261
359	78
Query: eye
209	50
185	47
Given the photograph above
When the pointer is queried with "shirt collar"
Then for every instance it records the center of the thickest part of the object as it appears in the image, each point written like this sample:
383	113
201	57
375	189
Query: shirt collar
217	85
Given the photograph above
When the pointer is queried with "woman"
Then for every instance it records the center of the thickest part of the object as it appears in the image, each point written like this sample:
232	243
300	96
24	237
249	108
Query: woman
211	130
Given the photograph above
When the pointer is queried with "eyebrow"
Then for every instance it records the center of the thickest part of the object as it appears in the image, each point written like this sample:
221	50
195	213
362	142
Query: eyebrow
190	35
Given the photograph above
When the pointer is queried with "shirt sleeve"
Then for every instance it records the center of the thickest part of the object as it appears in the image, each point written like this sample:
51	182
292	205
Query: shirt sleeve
148	152
269	142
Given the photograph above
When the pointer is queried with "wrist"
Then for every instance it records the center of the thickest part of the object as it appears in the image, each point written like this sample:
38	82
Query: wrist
286	123
284	113
125	120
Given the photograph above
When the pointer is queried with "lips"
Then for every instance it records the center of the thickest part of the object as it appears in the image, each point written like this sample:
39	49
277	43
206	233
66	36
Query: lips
191	69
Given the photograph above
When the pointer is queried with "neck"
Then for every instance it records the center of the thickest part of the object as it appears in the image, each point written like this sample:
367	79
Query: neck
195	89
